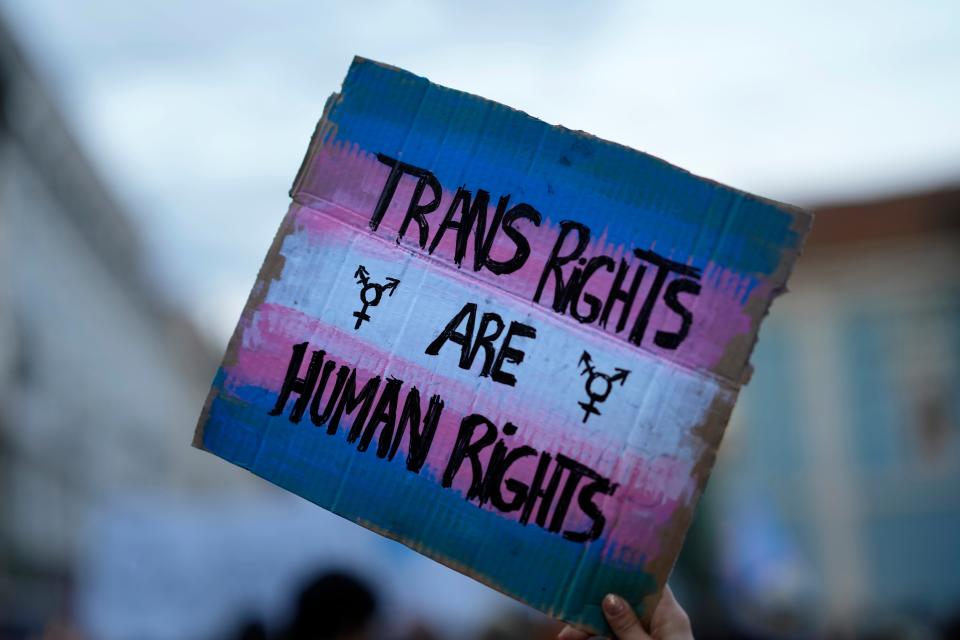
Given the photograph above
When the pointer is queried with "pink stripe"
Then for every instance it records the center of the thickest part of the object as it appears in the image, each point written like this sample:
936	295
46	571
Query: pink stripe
654	490
345	183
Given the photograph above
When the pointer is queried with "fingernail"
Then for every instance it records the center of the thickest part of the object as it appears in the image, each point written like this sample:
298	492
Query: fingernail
613	605
565	634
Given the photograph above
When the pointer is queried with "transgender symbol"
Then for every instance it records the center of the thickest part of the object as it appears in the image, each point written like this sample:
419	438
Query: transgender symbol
370	293
599	385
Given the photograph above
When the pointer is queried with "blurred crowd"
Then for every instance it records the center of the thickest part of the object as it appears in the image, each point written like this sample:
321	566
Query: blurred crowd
338	606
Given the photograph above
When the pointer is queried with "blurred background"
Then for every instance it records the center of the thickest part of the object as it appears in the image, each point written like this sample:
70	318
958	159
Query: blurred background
146	150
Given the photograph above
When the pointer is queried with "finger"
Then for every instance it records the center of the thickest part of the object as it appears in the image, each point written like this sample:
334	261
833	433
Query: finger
570	633
670	621
622	619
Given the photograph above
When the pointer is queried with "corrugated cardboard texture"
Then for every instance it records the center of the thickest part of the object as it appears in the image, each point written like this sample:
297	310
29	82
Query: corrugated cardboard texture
644	285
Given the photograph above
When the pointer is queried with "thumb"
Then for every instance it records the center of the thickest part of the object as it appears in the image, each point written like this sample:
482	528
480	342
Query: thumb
622	619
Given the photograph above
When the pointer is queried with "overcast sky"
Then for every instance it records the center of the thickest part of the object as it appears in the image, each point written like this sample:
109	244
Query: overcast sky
198	114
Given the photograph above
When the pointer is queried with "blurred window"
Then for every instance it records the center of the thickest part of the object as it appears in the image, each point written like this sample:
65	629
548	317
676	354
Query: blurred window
771	405
903	372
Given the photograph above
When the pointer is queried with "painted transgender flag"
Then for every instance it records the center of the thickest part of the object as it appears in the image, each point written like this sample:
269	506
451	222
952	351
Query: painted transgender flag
511	346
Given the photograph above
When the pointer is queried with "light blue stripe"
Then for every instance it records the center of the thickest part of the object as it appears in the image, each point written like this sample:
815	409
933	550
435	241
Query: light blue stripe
639	199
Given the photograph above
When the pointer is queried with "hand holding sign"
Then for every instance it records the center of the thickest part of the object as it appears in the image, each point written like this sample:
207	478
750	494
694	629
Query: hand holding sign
670	621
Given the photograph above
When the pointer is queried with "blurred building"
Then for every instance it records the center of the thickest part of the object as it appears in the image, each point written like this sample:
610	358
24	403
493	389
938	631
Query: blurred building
837	493
100	381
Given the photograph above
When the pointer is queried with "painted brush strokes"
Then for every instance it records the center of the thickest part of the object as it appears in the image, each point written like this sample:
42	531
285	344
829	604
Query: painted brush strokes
661	389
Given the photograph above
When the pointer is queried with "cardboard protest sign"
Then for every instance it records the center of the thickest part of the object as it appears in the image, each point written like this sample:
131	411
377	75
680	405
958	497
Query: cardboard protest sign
511	346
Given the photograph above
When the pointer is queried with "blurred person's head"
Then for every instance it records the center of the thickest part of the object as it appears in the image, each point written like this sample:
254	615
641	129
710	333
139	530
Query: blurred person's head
333	606
420	630
250	629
